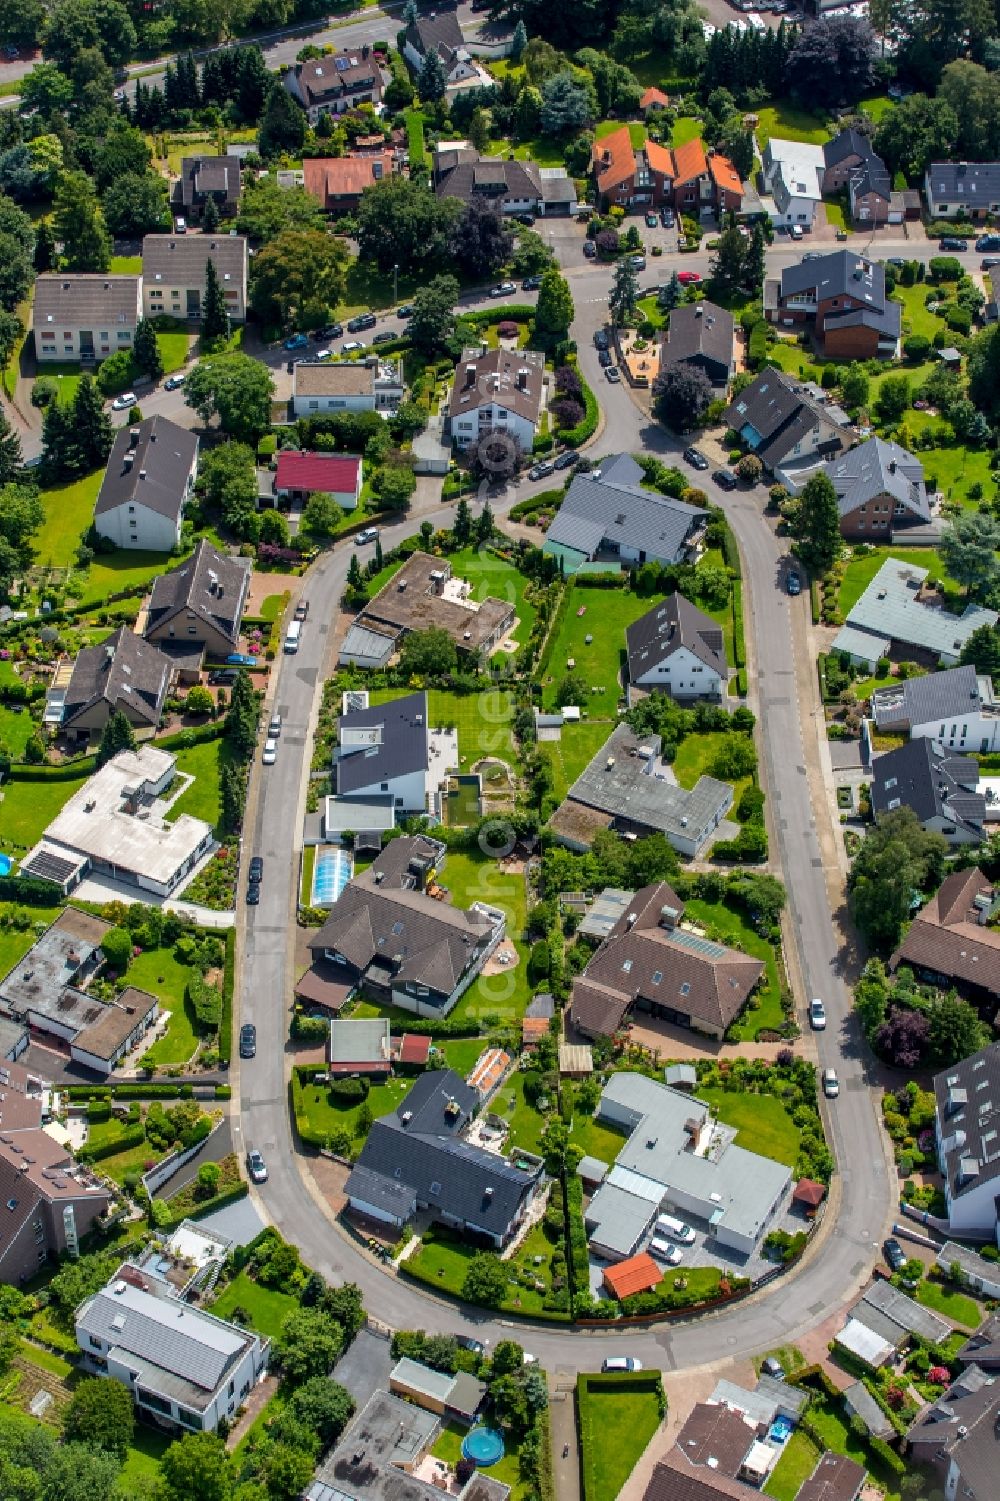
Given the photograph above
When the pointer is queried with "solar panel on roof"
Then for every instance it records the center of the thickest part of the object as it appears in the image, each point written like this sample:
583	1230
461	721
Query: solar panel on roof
49	867
341	64
697	944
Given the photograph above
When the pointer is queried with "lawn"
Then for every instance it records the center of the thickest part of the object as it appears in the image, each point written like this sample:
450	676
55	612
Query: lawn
547	151
797	1462
726	926
788	123
955	1306
203	798
917	318
415	136
326	1116
483	720
526	1124
490	575
114	572
835	213
69	511
161	973
636	130
471	878
126	265
573	751
27	808
615	1427
443	1262
606	614
308	865
267	1306
273	607
694	758
860	571
179	1041
142	1464
15	731
14	944
836	1434
686	128
595	1139
952	468
448	1446
876	106
762	1123
462	1053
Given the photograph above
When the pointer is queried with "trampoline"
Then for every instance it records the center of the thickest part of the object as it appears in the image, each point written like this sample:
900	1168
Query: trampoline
484	1446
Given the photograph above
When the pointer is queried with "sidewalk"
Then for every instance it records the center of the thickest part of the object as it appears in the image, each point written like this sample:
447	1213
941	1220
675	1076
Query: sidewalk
562	1410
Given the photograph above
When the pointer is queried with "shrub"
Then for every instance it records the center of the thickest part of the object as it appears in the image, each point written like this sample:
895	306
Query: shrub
350	1091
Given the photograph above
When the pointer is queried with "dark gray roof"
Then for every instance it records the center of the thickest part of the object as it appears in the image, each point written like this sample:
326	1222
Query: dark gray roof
438	29
919	775
968	1110
149	466
975	184
983	1347
396	1199
779	412
836	1477
878	468
123	671
211	584
80	298
179	260
933	695
872	177
702	332
962	1425
905	1313
404	863
204	175
609	506
858	1399
389	740
338	75
845	145
463	174
668	626
419	1145
845	273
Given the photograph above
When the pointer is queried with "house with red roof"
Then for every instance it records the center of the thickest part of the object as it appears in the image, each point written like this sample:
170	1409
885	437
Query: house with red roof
637	1274
337	182
653	101
299	475
686	177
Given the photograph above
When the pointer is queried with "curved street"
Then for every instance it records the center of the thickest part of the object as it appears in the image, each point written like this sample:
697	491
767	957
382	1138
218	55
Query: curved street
784	694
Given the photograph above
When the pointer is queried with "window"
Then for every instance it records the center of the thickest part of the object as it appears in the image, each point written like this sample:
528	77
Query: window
384	786
892	780
131	510
95	1343
657	976
627	966
685	988
893	803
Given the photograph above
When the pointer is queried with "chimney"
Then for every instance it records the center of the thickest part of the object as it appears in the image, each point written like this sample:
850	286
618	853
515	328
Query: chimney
133	437
892	466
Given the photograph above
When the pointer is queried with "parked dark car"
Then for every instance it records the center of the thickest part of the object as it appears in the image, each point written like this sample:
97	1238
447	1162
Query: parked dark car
531	283
566	460
724	479
951	243
526	219
362	320
256	870
385	337
222	676
988	242
773	1368
589	249
601	339
604	359
248	1040
894	1254
695	459
253	896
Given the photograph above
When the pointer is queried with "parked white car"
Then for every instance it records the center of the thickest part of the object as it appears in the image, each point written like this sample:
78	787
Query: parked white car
817	1015
270	751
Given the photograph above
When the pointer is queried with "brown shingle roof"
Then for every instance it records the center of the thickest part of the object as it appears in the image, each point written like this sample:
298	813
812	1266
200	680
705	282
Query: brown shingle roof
835	1478
510	377
717	1436
676	1479
945	936
105	1036
342	74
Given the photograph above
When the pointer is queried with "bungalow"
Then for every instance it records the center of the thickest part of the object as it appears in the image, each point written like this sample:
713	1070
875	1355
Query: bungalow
898	613
962	190
653	102
370	385
608	513
515	187
299	475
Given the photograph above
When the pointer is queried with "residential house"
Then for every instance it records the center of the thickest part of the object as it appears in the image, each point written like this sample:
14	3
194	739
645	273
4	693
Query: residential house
653	102
950	943
359	1047
199	603
84	316
967	1096
337	182
962	190
836	1477
608	514
301	474
700	334
789	426
958	1436
115	826
957	709
400	945
793	175
664	1167
940	788
440	31
382	753
187	1370
653	963
497	390
870	195
983	1278
881	495
686	177
337	82
771	1398
418	1157
625	788
425	593
122	674
450	1396
897	613
843	296
47	989
884	1321
173	274
842	156
678	648
370	385
51	1201
513	187
205	177
149	479
983	1347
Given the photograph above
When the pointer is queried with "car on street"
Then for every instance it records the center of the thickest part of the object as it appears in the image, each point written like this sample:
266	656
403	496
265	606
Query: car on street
988	262
302	609
124	401
328	331
688	278
621	1363
950	242
892	260
368	535
531	283
811	255
541	470
256	1166
297	341
793	584
724	479
256	869
651	221
405	310
988	242
637	262
605	358
248	1040
601	338
351	347
695	459
613	374
831	1084
667	218
566	460
385	337
270	751
172	382
360	321
274	728
589	249
253	896
817	1015
503	289
773	1368
895	1256
466	1342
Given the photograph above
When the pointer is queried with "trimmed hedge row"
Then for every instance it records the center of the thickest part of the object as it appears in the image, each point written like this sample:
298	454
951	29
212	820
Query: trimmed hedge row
153	1090
29	891
125	1143
538	502
574	437
228	986
577	1250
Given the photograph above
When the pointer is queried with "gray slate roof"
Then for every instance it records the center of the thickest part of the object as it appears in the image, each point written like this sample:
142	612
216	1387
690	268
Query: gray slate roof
872	177
76	299
668	626
962	1425
878	468
847	144
216	600
919	775
149	466
215	175
845	273
394	740
123	671
179	260
703	333
436	29
890	608
426	1152
609	506
968	1110
464	174
779	412
934	695
973	184
909	1316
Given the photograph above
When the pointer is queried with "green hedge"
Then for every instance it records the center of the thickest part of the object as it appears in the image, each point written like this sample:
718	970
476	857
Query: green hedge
153	1090
29	891
574	437
577	1250
197	736
125	1143
731	552
538	502
228	985
814	603
71	772
739	640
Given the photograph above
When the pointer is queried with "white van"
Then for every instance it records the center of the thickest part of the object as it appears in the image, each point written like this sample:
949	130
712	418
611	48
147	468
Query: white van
292	636
664	1251
674	1229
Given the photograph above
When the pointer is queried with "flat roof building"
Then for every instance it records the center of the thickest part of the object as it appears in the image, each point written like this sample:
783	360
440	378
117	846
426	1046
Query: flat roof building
425	593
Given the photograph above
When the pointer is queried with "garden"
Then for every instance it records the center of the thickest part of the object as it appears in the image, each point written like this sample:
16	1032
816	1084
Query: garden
618	1416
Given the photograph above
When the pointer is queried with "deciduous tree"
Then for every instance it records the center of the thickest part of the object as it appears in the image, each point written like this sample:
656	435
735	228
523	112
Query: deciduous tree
682	396
298	277
817	525
236	389
79	224
100	1413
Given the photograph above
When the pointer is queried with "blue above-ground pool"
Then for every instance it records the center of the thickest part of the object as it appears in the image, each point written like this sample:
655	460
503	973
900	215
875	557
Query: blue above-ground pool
484	1446
780	1429
6	865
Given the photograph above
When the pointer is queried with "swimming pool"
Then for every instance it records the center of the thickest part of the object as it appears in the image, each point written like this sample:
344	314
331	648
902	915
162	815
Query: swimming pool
780	1429
484	1446
332	870
6	865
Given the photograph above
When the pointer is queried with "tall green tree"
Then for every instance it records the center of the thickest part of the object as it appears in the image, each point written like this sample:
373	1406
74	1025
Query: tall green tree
242	716
462	522
214	313
45	248
210	215
298	277
896	858
197	1465
146	350
728	265
235	388
283	124
968	549
117	735
101	1415
79	224
431	80
402	223
10	457
817	525
623	298
982	650
554	309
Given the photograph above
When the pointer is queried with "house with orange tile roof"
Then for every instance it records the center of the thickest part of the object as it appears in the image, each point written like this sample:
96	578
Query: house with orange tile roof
337	182
687	178
653	101
636	1275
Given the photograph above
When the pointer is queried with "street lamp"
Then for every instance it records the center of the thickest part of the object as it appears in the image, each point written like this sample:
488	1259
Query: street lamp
395	284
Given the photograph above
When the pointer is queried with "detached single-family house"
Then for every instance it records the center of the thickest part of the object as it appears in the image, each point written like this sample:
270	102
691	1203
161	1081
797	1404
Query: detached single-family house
950	943
122	674
678	648
653	102
370	385
843	297
514	187
173	274
440	31
299	475
337	182
382	754
842	156
962	190
897	613
205	177
942	790
788	425
793	176
84	316
609	514
200	603
425	593
149	479
958	709
881	493
967	1096
958	1436
333	84
700	334
497	390
870	195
